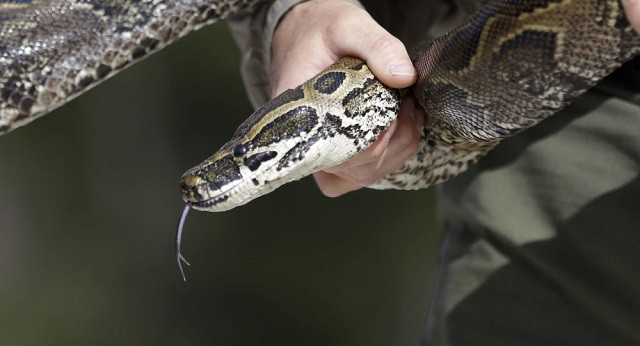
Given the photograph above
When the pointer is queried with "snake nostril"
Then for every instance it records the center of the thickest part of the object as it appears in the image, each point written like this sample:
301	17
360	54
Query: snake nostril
192	181
190	194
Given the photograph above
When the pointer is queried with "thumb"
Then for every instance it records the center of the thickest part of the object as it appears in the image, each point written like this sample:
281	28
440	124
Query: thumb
632	8
385	55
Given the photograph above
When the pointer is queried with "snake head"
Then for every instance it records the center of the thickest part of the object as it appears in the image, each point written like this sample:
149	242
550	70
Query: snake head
319	124
257	158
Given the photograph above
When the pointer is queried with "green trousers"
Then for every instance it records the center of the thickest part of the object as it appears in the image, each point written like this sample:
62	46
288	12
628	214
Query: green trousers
542	241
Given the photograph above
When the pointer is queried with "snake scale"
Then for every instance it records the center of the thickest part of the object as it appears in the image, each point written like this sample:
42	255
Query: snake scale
509	66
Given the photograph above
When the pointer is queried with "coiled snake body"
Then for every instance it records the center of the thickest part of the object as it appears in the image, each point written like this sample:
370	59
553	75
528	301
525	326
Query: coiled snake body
508	67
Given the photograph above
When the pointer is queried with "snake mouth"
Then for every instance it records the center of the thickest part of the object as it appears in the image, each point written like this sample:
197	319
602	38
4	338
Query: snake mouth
209	204
211	183
203	198
206	194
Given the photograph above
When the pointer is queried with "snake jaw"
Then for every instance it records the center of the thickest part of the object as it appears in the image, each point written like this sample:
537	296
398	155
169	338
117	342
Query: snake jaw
230	181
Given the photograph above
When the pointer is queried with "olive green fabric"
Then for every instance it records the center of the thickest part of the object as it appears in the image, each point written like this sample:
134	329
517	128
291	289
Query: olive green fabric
543	235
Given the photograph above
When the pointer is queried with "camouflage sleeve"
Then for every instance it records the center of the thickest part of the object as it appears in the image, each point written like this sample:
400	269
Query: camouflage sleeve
253	32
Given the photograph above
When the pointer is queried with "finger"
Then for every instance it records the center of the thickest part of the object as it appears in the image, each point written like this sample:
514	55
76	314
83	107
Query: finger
406	140
395	162
402	146
298	49
332	185
400	138
297	70
371	154
632	9
385	55
409	124
294	67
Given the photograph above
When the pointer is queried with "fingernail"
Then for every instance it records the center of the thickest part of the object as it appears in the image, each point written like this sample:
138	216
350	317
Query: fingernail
402	69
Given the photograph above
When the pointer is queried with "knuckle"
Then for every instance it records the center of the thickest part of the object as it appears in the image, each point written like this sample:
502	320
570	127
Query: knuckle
344	22
373	153
329	191
304	9
366	181
360	173
334	30
327	187
386	44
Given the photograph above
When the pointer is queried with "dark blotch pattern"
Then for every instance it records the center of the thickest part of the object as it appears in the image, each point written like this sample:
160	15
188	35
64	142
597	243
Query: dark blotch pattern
221	173
254	161
329	82
138	52
332	121
469	35
103	70
358	67
25	105
330	127
545	43
85	81
149	43
282	99
289	125
356	91
9	86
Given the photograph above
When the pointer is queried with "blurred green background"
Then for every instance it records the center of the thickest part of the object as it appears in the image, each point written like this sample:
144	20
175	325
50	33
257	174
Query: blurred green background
89	203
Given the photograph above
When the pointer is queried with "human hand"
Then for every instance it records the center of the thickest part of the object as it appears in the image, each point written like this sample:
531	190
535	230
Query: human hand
632	9
315	34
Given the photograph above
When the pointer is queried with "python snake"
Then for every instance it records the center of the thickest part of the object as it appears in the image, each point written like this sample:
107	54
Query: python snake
509	66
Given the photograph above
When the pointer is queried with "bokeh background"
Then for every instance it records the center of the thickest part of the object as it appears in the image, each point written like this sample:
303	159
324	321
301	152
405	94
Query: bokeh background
89	203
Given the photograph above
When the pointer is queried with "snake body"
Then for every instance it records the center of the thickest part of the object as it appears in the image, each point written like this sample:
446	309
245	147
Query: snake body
54	50
509	66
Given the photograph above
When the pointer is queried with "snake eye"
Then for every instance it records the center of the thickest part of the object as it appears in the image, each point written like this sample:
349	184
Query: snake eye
239	150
